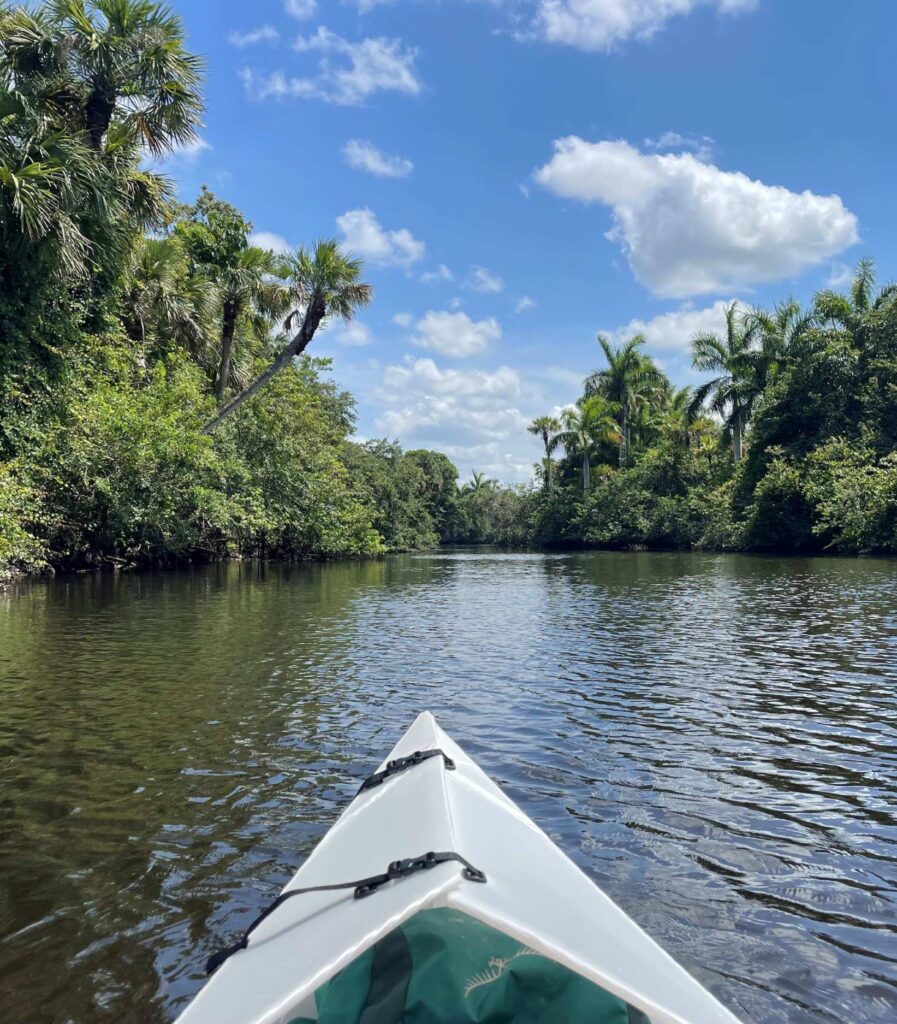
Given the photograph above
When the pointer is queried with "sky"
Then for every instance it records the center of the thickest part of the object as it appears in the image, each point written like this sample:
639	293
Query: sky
520	175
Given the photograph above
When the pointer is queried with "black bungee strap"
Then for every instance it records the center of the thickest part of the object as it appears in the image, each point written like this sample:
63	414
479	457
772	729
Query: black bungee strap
363	887
401	763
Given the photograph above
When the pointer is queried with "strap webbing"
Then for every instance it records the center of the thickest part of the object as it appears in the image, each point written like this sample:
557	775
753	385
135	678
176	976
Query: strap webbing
362	886
401	763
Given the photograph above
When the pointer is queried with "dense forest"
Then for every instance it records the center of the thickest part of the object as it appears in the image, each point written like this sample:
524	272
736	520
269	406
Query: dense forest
789	445
158	402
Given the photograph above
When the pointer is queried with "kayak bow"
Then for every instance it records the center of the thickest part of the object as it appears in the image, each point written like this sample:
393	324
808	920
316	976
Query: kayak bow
460	903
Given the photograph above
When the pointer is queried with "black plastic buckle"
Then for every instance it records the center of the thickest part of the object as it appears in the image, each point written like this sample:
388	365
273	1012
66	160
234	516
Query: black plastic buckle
411	865
399	764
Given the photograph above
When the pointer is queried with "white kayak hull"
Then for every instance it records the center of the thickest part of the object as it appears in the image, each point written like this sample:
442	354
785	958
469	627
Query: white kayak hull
534	893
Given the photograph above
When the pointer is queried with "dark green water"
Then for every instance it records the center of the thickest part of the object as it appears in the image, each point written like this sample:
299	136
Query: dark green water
714	739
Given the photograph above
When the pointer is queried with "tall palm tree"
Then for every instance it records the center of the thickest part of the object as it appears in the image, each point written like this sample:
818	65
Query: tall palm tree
247	285
859	312
629	381
546	427
740	369
777	337
584	428
127	62
479	483
323	282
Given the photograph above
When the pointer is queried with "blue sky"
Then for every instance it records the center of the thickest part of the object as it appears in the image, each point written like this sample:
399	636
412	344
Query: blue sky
521	175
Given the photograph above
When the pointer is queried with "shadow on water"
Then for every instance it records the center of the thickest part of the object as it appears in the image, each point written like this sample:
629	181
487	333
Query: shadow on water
713	738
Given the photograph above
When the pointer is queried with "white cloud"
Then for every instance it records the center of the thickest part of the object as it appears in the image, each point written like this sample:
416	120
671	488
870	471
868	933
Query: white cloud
599	25
524	303
472	415
270	240
455	303
441	273
363	235
672	332
689	228
477	417
364	156
262	34
301	9
455	334
348	72
668	142
840	276
189	152
403	320
482	280
354	334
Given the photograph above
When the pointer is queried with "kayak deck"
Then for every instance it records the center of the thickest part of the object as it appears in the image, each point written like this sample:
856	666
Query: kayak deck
534	897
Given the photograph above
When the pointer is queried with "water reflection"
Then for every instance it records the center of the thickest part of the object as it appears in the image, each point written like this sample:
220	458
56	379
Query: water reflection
712	738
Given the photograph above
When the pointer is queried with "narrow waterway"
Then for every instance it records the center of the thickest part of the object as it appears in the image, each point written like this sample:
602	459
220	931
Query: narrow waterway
712	738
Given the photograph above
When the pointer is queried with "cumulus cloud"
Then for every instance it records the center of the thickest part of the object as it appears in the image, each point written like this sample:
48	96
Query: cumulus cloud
839	277
471	415
364	156
441	273
403	320
689	228
670	142
524	303
354	334
348	72
482	280
600	25
270	240
477	417
455	334
301	9
363	235
262	34
672	332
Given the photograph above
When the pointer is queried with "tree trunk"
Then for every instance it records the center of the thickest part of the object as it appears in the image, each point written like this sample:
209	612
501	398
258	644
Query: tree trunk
736	436
586	474
98	111
547	470
314	314
227	349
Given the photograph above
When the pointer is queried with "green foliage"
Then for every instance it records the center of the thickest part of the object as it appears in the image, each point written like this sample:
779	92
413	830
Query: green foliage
855	496
20	551
123	318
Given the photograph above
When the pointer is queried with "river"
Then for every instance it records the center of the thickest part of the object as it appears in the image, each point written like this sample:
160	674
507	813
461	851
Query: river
712	738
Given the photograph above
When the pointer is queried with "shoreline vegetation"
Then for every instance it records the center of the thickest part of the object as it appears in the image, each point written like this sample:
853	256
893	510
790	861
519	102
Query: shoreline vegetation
158	405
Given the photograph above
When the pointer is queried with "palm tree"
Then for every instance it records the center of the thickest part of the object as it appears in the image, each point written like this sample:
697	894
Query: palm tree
780	335
859	312
628	380
164	300
246	285
732	392
584	428
59	200
478	484
323	282
546	427
127	63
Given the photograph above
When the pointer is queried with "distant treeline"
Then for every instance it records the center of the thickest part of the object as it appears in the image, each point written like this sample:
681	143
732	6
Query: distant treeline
791	444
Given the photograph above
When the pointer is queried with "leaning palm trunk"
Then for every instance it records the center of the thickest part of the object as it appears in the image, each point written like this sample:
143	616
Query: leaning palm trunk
586	474
314	314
